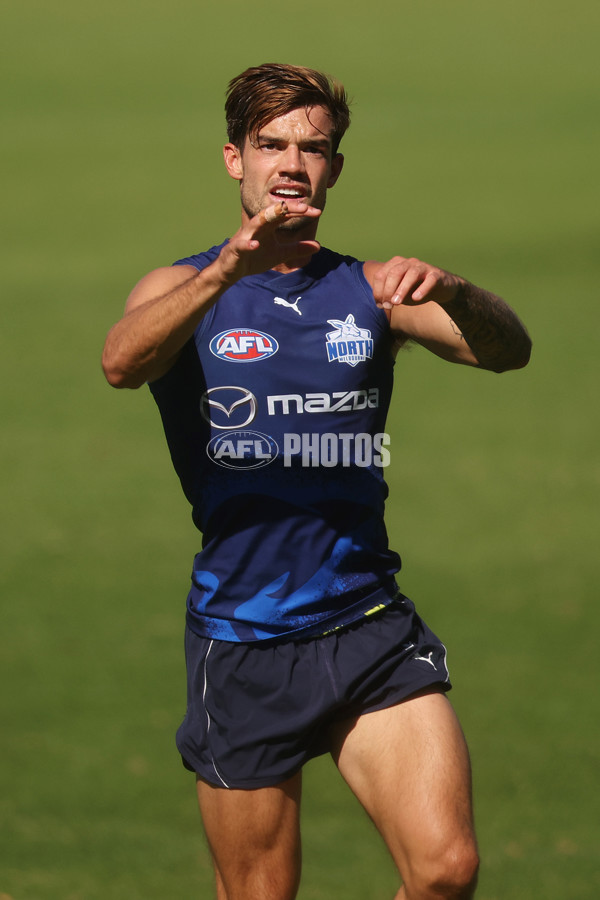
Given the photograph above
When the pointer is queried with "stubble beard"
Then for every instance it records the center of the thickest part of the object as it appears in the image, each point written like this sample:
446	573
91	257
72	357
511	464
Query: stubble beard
290	225
252	206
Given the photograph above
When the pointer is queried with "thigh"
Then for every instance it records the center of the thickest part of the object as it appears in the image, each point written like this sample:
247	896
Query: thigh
254	711
254	838
409	767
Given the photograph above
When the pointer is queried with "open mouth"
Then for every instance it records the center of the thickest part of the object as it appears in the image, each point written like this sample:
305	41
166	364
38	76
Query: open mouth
288	193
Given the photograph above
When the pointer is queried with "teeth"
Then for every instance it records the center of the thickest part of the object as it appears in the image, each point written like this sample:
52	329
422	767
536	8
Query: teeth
288	192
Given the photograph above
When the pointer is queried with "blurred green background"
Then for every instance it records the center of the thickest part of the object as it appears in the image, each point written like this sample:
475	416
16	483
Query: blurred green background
474	145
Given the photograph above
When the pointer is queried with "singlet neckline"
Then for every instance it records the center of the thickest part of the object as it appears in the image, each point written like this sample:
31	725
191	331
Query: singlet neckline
299	279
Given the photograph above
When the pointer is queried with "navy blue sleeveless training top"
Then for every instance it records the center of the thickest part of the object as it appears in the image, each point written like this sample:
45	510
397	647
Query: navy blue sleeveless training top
275	417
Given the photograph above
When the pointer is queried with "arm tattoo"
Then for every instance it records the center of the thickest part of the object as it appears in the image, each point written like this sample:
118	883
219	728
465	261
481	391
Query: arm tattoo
494	333
456	330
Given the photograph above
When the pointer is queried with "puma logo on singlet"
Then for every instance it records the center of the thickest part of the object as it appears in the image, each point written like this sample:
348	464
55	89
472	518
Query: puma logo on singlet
279	301
426	659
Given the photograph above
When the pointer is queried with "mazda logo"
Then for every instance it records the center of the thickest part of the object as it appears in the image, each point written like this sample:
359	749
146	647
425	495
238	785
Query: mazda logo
235	407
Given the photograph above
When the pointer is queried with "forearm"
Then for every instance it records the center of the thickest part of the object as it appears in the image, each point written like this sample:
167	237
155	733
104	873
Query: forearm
143	344
489	326
165	308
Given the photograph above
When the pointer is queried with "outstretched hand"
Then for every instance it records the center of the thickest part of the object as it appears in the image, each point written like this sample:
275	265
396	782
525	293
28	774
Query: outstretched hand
261	243
410	281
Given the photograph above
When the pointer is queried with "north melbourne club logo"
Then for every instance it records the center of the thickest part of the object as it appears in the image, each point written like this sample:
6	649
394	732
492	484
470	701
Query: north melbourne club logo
243	345
348	343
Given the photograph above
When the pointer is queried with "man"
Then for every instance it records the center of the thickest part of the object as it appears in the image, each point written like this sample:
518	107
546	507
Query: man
270	359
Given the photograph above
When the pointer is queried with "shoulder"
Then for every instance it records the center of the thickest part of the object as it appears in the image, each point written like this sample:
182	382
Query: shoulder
329	264
366	272
370	268
157	283
201	260
166	278
327	260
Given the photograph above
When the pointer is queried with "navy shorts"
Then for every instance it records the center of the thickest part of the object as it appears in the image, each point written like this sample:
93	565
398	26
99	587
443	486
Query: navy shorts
257	712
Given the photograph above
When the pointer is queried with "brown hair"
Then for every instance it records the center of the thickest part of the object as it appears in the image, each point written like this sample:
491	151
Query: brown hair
262	93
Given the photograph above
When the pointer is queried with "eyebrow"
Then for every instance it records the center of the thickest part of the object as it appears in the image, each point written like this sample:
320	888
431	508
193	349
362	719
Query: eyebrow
266	138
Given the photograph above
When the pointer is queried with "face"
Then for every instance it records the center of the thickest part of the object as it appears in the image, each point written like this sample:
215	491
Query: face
289	158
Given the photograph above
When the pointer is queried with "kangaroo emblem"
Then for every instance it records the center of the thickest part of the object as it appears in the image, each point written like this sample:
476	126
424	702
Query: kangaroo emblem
279	301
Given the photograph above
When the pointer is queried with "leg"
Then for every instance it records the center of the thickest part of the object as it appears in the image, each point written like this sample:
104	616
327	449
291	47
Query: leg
254	838
409	767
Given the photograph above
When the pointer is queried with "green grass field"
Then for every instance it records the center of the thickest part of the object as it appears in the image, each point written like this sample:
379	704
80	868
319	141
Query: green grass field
475	146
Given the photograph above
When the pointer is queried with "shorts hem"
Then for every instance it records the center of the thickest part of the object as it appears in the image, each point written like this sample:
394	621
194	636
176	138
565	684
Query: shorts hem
245	785
432	686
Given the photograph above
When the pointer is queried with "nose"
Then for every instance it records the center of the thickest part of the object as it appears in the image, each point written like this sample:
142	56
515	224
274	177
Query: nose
291	160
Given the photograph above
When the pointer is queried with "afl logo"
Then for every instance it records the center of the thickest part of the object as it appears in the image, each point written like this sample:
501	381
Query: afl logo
242	450
243	345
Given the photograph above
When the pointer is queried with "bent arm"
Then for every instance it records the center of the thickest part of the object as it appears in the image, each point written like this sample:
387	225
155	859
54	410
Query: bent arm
161	314
493	332
448	315
165	308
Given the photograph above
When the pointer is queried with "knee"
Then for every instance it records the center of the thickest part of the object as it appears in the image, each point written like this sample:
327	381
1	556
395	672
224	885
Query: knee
458	879
451	875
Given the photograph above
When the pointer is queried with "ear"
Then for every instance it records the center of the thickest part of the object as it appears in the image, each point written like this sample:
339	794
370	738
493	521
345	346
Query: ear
337	164
233	161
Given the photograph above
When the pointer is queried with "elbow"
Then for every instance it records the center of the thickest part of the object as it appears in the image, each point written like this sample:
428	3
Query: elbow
118	375
121	368
523	355
518	359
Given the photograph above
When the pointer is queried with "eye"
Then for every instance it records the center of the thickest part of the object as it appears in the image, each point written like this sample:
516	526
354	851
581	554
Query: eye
268	146
315	150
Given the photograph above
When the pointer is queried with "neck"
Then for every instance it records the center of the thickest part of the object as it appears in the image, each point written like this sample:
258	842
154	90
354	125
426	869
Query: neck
286	267
306	230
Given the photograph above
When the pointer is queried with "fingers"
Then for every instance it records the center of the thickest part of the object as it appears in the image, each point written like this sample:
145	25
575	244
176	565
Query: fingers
402	280
261	243
280	212
393	281
268	234
273	213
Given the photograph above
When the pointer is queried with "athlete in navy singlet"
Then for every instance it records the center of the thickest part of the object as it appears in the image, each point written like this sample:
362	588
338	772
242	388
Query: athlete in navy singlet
271	361
275	417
